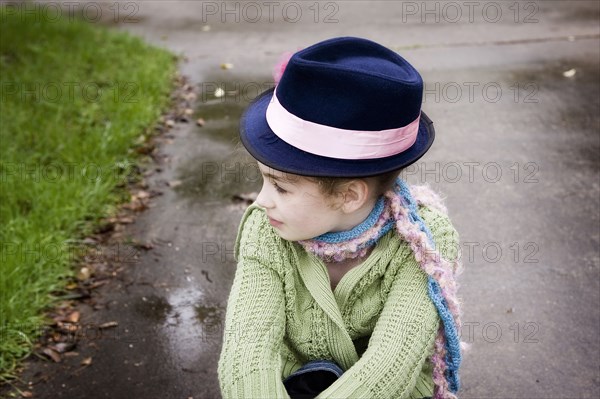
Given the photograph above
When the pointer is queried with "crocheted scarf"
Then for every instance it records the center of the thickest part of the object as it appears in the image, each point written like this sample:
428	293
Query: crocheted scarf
398	208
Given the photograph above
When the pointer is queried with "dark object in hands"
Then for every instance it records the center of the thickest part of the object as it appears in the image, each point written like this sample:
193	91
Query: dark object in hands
312	379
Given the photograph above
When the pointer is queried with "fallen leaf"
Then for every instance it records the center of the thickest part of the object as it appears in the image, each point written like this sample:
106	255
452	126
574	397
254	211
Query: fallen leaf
143	245
84	274
145	149
205	274
82	294
143	183
62	347
219	92
170	123
226	65
136	205
27	394
142	194
109	324
205	28
97	284
52	355
105	228
200	122
74	317
87	361
67	327
570	73
188	111
174	183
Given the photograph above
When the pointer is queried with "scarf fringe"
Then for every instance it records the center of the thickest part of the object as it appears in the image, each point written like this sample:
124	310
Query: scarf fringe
425	195
412	229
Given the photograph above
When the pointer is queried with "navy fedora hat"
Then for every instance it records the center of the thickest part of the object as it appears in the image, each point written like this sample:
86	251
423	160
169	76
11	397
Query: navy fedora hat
344	107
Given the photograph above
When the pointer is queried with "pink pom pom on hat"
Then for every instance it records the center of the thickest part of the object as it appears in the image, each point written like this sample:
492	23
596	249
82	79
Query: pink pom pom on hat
281	64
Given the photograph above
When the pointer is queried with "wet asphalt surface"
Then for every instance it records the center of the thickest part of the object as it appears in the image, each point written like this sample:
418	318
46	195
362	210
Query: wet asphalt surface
516	153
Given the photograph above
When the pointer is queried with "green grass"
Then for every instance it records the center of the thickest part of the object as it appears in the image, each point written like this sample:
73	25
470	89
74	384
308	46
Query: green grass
65	148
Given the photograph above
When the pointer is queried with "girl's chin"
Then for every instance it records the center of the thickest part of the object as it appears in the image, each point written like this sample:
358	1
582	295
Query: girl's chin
290	236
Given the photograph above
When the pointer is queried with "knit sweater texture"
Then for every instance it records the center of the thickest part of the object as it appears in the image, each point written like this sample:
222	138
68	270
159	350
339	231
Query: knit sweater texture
379	323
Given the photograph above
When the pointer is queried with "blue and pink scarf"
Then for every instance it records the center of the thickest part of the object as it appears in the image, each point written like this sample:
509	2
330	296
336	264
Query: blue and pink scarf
397	209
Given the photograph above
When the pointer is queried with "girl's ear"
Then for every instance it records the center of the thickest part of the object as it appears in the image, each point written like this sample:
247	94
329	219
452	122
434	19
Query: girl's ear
355	195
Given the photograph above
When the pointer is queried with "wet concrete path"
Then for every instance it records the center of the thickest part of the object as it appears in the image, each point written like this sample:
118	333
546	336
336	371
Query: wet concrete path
516	153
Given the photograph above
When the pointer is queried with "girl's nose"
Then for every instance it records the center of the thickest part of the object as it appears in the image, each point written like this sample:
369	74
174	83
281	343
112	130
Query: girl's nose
263	199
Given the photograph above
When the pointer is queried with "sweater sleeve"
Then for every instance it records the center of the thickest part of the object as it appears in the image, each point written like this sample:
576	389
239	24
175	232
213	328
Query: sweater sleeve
405	331
250	362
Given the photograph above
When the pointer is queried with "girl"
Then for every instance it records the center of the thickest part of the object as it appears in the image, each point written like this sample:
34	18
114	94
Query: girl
345	283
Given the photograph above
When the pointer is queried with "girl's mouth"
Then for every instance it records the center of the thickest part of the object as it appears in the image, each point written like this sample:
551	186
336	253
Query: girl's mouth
274	222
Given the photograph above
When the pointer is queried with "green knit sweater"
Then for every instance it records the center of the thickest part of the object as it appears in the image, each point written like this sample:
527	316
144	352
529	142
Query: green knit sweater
378	324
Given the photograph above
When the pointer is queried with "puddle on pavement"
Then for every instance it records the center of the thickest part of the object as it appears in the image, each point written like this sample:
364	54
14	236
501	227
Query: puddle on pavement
193	322
218	177
209	315
223	98
153	307
222	119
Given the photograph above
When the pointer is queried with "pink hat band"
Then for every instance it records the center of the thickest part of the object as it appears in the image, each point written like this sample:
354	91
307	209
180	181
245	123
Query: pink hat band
332	142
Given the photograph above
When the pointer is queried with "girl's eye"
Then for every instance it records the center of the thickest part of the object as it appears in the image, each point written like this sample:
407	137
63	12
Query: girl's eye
279	189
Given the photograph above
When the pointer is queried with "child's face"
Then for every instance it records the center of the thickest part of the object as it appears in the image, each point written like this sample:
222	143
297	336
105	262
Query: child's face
295	206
